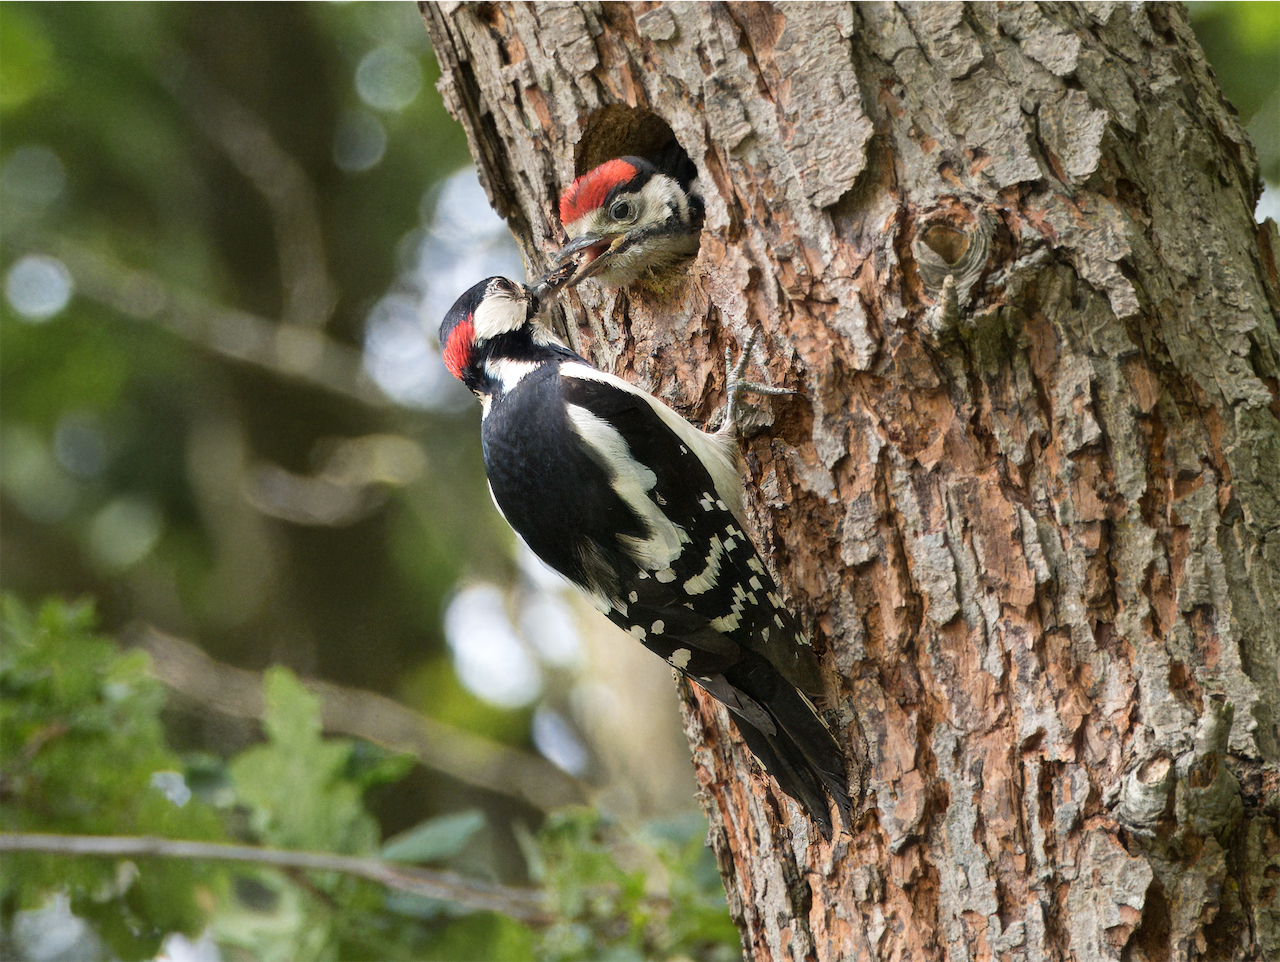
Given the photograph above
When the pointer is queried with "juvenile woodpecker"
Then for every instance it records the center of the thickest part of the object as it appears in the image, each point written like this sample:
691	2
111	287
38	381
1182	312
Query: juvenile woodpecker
642	511
629	218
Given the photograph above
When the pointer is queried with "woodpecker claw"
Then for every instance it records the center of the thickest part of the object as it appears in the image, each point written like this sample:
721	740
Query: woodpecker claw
736	385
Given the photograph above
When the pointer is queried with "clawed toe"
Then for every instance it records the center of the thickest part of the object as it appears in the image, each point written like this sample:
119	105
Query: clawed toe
736	384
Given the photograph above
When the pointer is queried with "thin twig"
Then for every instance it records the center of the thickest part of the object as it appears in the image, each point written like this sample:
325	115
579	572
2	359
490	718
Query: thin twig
288	350
247	141
525	905
470	758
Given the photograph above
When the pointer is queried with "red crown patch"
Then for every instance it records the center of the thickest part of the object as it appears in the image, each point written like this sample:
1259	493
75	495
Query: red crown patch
589	191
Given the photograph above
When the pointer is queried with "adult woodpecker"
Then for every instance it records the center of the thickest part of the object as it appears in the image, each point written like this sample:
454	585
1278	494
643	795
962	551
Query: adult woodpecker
627	219
642	511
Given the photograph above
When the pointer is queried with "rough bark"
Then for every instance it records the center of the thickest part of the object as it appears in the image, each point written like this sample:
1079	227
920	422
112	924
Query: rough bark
1027	494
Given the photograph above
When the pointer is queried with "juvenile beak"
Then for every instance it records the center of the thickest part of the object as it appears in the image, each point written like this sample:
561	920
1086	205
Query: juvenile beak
581	258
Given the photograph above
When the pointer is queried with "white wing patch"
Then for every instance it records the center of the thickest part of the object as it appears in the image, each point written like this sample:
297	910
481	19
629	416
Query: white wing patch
718	454
632	482
707	579
730	622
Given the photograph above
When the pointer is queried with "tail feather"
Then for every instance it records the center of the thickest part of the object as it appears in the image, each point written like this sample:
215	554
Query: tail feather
798	781
801	754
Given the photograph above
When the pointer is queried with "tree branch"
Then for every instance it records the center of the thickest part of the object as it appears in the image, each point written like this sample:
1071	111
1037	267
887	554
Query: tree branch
470	758
247	141
284	349
524	905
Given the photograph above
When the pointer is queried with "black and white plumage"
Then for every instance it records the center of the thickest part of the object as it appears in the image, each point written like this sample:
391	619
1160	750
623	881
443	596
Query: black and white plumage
629	218
641	510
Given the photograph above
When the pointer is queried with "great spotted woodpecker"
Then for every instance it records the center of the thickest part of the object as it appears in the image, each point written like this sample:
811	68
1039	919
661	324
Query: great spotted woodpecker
628	219
642	511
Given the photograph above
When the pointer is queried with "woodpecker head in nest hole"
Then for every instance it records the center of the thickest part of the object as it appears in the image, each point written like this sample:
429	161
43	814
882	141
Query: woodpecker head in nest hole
627	219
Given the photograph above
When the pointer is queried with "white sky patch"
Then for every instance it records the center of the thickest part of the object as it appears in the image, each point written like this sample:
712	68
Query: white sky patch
547	624
462	240
488	656
173	786
53	931
558	742
178	948
1268	204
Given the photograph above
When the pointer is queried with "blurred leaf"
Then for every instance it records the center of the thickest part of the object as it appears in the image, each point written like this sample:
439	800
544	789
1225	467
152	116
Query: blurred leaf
371	765
82	742
652	894
294	783
1242	44
26	60
435	839
483	938
433	688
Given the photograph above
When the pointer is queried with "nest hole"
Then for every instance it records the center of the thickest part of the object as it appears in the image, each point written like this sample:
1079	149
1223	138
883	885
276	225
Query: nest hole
620	131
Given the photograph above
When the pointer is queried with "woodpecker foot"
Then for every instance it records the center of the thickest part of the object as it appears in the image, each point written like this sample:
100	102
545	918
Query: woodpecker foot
736	384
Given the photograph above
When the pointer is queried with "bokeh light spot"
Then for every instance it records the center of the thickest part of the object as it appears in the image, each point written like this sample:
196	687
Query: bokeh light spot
359	143
31	477
123	533
38	287
33	176
79	445
388	78
490	661
558	742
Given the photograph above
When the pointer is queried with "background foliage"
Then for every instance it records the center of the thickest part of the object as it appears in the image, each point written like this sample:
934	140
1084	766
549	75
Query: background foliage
224	228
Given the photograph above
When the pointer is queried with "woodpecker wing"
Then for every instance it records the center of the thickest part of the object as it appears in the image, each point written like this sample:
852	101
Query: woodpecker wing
696	600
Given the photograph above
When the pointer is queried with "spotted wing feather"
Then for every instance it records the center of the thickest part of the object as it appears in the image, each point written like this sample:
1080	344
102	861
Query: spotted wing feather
718	589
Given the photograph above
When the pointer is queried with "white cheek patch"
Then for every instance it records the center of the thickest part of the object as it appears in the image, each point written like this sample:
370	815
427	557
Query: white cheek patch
632	482
498	314
660	194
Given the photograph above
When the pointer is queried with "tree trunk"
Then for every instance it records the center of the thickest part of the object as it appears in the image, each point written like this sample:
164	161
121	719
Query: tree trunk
1027	494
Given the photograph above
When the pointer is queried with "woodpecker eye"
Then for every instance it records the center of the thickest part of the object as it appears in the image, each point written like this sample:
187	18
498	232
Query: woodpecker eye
622	210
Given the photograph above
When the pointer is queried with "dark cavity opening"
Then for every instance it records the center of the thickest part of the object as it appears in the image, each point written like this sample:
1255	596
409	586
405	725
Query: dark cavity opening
622	131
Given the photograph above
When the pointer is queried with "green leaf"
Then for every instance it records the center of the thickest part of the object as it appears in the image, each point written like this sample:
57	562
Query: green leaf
294	784
82	743
435	839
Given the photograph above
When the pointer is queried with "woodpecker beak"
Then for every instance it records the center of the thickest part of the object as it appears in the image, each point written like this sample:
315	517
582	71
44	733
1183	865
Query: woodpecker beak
585	256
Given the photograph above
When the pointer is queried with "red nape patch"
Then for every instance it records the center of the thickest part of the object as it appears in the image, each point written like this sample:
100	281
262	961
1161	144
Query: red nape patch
589	191
457	353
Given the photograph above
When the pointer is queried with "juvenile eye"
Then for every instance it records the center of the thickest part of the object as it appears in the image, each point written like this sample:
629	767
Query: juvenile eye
622	210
